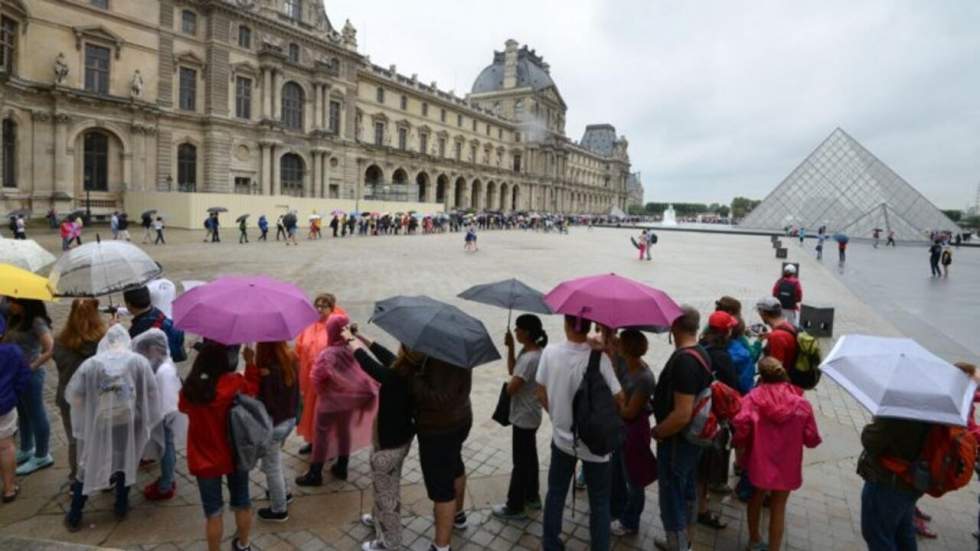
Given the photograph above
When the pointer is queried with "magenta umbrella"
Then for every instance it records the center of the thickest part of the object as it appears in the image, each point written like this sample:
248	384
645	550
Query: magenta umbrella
614	301
237	310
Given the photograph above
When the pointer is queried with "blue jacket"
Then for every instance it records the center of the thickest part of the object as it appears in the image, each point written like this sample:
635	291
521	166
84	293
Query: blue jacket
14	376
155	318
263	223
744	362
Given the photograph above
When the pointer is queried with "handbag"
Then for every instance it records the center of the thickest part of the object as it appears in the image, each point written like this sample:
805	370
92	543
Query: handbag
501	414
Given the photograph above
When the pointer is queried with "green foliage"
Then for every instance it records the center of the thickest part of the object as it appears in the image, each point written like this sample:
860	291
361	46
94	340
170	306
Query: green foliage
741	206
954	214
636	210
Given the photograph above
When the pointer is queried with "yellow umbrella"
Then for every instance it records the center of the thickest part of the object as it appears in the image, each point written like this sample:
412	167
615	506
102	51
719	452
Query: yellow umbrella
19	283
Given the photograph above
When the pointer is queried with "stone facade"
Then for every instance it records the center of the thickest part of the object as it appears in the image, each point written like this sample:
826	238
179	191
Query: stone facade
634	190
101	97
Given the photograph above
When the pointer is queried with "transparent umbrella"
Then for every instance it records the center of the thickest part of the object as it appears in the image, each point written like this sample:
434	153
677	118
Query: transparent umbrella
101	268
24	253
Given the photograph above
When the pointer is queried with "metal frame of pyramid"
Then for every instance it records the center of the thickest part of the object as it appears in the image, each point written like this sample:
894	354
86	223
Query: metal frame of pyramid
843	186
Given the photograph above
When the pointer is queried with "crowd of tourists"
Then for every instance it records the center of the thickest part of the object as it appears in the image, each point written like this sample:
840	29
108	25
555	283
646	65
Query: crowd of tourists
123	405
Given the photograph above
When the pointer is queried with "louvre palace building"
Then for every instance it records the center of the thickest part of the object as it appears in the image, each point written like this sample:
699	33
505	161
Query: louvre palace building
104	100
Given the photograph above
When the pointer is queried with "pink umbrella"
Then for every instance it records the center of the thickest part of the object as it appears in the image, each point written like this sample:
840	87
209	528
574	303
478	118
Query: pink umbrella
237	310
614	301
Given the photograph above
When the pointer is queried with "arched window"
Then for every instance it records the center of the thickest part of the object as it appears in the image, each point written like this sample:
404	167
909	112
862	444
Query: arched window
291	174
187	167
292	106
9	153
95	167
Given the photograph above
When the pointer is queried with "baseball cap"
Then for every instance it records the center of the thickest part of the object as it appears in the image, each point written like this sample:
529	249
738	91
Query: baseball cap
789	269
722	321
769	305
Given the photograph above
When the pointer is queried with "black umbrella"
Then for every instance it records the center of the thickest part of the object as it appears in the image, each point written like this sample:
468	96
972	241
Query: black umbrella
148	213
240	218
19	212
77	213
217	209
436	329
289	219
510	294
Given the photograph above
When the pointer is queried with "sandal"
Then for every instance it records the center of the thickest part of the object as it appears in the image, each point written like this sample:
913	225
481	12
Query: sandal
11	497
922	529
712	521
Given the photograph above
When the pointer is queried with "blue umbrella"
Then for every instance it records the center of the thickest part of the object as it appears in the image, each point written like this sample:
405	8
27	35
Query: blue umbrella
841	237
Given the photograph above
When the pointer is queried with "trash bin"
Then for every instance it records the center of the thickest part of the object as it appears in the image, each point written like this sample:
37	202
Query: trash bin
817	320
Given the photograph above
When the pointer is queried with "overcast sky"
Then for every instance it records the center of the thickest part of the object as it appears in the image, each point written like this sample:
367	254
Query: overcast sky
723	98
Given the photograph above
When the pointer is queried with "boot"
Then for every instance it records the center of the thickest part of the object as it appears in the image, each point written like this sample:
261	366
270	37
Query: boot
339	469
313	477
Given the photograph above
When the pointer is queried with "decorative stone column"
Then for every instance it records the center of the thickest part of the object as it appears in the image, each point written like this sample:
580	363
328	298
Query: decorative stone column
276	91
311	184
267	92
275	185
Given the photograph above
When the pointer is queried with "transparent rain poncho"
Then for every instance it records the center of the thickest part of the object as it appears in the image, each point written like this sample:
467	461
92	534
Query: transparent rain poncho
153	346
114	406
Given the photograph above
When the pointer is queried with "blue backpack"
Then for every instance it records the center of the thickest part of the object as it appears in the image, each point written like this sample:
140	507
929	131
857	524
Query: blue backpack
175	337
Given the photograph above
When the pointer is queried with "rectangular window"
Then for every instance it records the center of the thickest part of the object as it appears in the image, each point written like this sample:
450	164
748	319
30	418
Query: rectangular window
379	95
104	4
294	53
188	22
243	185
8	44
244	37
379	133
474	125
459	151
472	153
500	133
404	103
334	117
442	116
425	109
442	148
9	153
488	130
459	120
517	162
188	89
243	98
424	144
334	191
294	8
403	139
97	69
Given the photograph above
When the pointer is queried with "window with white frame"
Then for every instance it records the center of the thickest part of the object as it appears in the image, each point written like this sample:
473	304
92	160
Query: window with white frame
244	37
97	69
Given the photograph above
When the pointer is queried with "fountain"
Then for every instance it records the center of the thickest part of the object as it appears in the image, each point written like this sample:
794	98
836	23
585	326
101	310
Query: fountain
670	217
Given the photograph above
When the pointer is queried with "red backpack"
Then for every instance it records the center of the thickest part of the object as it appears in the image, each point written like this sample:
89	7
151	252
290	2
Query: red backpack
945	463
713	407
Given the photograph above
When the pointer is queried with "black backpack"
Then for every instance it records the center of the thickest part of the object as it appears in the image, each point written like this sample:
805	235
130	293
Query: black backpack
787	294
595	417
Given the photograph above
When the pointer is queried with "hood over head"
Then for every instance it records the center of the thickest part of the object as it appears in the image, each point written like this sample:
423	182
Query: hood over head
777	401
335	323
116	340
154	346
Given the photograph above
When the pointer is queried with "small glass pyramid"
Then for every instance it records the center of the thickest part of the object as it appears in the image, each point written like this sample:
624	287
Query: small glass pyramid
843	186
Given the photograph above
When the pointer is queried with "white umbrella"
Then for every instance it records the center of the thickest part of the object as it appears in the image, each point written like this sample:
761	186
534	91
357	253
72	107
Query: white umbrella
101	268
24	253
899	378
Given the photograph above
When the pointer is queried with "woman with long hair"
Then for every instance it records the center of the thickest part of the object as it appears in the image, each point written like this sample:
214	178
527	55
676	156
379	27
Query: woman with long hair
773	426
206	398
29	327
77	342
274	365
525	416
309	345
346	404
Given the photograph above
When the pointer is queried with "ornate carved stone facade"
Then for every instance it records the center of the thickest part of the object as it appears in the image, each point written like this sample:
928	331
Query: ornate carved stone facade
268	97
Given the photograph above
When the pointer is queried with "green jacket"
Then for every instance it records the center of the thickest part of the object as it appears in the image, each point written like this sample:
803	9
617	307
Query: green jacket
899	438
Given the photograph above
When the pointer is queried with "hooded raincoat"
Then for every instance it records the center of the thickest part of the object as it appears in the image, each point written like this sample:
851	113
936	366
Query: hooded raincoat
309	344
774	424
115	404
153	346
347	398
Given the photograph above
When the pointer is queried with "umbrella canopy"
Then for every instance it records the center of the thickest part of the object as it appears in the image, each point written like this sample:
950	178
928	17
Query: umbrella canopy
24	253
242	217
275	310
19	283
614	301
289	218
314	216
148	213
436	329
77	213
899	378
841	237
100	268
509	293
19	212
338	212
217	209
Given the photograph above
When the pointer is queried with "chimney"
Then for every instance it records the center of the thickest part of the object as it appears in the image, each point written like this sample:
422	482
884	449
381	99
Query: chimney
393	69
510	64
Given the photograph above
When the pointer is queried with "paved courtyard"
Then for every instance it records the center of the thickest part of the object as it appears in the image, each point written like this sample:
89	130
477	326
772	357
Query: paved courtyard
693	268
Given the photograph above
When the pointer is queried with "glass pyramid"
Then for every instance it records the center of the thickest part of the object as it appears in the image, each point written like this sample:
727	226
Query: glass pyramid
843	186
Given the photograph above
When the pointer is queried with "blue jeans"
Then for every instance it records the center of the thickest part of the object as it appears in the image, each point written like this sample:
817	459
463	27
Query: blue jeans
32	418
677	465
169	458
628	499
210	489
272	466
887	517
596	480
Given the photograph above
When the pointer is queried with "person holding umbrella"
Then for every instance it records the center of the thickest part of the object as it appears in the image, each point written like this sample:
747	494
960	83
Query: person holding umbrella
146	220
215	225
15	378
66	230
264	228
243	229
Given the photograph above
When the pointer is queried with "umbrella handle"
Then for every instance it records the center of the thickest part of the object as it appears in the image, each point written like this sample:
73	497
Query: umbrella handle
509	311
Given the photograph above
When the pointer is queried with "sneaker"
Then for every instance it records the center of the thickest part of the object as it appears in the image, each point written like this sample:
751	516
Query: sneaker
35	464
460	522
289	497
306	450
266	513
24	455
235	546
73	525
661	543
373	545
310	479
506	513
757	546
534	505
617	529
367	520
152	491
340	473
432	547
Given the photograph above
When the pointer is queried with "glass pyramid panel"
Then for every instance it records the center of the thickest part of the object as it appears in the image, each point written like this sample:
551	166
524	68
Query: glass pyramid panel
845	187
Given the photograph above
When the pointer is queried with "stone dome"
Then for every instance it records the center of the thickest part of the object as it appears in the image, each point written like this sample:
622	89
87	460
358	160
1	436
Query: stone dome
532	72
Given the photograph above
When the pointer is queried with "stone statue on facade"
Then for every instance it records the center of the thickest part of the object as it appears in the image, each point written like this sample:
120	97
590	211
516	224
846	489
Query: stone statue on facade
60	69
349	36
136	85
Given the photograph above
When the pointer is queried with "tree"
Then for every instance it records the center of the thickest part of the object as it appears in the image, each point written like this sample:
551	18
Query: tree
741	206
954	214
636	210
723	211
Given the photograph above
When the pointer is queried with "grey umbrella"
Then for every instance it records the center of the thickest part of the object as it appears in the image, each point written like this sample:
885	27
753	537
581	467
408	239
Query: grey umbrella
510	294
217	209
436	329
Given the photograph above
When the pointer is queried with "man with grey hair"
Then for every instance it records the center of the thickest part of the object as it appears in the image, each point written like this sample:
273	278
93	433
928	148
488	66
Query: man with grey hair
686	374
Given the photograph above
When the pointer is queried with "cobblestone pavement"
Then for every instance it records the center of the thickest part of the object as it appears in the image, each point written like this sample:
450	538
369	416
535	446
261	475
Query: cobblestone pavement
693	268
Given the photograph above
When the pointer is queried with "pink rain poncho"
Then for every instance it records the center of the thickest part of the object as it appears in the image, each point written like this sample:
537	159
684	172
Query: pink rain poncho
114	406
347	398
153	345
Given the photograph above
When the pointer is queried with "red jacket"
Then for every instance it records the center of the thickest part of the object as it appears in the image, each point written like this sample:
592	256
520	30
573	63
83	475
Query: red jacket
798	289
781	344
209	452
